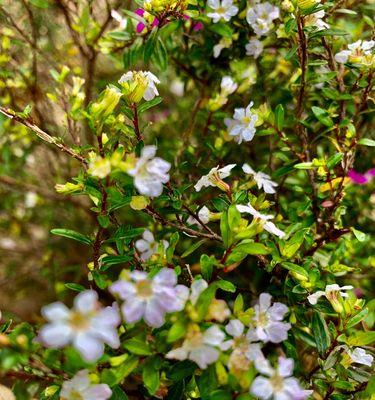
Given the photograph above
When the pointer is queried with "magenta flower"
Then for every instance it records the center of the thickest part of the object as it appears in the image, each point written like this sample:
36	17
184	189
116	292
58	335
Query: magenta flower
361	179
141	26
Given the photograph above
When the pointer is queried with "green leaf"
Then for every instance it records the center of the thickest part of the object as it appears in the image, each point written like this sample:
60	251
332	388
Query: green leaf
224	228
221	29
234	217
70	234
115	260
192	248
148	104
160	55
226	286
119	35
296	269
75	286
207	264
334	160
118	394
356	319
321	333
279	117
361	236
250	247
40	3
293	244
138	347
361	338
177	331
172	246
367	142
150	376
99	279
322	116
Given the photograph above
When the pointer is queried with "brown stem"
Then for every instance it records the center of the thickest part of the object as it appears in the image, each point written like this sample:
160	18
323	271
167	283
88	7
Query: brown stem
42	134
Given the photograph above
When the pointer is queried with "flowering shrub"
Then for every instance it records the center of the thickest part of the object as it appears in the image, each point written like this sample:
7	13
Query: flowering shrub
193	181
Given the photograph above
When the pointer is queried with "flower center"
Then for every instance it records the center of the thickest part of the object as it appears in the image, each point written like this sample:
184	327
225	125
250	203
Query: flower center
74	395
246	120
194	338
79	321
144	288
221	10
277	382
262	319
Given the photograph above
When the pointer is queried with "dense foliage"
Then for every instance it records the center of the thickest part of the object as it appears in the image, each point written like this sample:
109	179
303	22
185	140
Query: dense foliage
186	208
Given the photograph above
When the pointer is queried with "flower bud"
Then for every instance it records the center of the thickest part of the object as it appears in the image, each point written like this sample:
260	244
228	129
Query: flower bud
107	103
306	4
139	202
68	188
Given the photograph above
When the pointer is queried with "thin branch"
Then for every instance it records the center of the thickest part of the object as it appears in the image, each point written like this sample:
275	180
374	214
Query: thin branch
42	134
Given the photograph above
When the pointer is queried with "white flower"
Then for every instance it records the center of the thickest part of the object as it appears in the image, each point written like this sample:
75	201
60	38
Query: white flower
263	180
80	387
147	246
138	84
279	384
356	51
222	10
316	19
150	298
150	173
224	43
261	16
199	346
267	224
203	215
268	321
215	178
242	126
117	17
197	287
254	48
243	350
228	86
87	326
31	198
331	292
359	356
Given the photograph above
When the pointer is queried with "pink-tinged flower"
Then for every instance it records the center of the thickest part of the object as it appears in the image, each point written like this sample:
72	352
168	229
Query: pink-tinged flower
150	298
277	384
361	179
87	326
198	26
142	13
80	387
358	178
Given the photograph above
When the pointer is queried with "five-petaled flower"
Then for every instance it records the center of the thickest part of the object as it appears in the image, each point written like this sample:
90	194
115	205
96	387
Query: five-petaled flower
199	346
360	356
222	10
261	16
150	298
263	180
358	52
279	384
147	246
87	326
268	325
242	126
80	388
139	84
267	224
215	178
150	173
254	48
334	294
243	351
